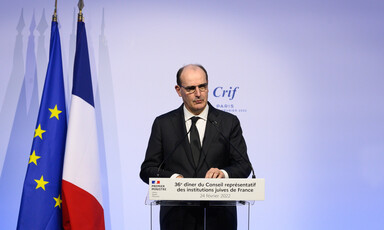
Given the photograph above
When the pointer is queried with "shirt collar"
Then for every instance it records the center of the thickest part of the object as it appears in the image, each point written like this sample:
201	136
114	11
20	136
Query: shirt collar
203	115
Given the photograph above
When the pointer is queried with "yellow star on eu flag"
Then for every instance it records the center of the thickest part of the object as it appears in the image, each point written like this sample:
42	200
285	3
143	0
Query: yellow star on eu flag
55	112
41	183
33	158
39	132
58	201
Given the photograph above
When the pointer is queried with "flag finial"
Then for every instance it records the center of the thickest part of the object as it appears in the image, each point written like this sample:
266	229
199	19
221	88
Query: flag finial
81	6
54	17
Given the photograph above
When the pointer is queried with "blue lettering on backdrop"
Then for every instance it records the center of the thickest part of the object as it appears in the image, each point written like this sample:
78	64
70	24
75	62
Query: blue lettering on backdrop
221	92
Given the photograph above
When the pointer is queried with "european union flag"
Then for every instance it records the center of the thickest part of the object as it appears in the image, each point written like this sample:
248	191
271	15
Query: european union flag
41	200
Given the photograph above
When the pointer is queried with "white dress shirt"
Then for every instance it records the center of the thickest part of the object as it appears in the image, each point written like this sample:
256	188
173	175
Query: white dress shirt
200	124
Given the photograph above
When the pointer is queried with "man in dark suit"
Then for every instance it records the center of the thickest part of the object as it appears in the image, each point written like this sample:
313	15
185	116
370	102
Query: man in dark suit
196	141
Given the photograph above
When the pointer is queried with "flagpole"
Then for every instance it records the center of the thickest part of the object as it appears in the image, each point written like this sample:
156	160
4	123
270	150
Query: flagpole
80	15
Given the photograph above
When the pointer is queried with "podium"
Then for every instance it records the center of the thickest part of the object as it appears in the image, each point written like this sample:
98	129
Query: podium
204	193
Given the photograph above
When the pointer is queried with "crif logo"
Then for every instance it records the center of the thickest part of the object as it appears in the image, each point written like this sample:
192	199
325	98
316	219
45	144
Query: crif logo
155	182
222	92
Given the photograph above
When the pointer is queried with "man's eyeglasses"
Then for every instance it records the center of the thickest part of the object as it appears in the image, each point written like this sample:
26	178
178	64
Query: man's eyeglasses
192	88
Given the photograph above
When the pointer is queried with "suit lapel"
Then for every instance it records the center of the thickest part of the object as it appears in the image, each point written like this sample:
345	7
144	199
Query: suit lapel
179	125
210	134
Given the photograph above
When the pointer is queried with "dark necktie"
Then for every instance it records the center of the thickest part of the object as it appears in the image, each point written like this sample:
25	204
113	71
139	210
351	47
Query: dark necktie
195	141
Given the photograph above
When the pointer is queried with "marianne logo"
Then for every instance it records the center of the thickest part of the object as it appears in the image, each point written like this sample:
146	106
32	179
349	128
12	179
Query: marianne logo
225	92
155	182
228	98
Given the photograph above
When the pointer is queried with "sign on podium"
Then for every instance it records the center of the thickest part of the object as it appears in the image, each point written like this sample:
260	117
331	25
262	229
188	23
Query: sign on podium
206	189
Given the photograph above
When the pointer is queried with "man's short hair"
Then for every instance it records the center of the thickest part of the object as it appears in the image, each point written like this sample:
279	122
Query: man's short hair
180	71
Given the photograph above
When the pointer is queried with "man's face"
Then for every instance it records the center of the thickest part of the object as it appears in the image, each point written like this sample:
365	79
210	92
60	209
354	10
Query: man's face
195	101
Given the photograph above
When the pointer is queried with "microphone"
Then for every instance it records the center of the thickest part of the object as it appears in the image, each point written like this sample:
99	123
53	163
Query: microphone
173	151
215	124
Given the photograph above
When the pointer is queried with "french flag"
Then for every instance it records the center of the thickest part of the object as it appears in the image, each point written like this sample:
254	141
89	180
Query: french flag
81	187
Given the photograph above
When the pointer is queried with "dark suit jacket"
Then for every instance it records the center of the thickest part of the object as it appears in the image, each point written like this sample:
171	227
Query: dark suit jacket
169	148
168	144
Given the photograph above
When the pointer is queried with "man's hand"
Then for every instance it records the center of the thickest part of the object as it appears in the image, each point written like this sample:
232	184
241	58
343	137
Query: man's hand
214	173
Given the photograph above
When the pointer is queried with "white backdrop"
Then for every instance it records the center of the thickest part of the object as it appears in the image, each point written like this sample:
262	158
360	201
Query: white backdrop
309	79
